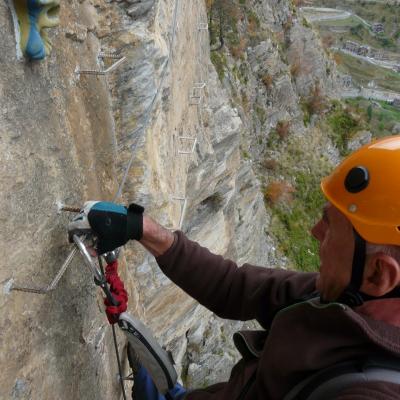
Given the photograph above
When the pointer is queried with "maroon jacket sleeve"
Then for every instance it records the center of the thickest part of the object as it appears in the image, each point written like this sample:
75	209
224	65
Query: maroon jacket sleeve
230	292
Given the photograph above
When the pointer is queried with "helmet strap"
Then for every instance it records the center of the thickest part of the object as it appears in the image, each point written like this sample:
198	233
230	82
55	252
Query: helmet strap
351	295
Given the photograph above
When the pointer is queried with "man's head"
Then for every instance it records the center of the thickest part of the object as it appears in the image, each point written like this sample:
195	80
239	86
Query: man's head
361	222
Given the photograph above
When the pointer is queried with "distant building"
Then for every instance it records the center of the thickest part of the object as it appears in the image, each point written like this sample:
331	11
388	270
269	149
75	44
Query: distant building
363	51
377	54
351	46
377	27
356	48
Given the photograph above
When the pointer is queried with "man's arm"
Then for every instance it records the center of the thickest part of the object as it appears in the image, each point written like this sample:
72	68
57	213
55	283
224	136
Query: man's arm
231	292
156	239
217	283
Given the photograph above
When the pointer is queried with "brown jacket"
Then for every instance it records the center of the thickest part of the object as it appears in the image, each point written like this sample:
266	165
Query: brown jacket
298	340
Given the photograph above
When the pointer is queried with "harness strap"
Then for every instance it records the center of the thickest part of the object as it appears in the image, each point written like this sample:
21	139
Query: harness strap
351	294
326	384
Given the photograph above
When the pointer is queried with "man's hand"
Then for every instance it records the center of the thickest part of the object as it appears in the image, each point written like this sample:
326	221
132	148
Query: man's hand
113	224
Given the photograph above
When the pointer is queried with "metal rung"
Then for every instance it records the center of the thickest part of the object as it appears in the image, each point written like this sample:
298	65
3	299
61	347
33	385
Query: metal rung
55	281
203	26
183	212
195	100
183	209
191	151
129	377
104	54
199	85
195	96
105	72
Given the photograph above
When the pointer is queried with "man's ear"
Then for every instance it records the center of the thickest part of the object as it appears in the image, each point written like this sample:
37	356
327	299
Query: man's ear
382	275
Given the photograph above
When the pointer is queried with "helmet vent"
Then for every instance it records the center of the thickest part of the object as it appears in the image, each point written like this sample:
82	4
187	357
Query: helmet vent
357	179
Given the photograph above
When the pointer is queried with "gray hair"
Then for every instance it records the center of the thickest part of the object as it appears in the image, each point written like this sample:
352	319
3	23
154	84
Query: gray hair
388	249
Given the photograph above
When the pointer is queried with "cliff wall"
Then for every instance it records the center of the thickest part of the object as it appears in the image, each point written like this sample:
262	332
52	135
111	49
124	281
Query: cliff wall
166	129
68	137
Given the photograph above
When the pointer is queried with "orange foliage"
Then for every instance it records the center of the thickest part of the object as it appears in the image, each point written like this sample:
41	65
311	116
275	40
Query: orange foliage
280	36
328	41
282	129
252	26
278	192
295	68
338	58
237	51
209	4
267	80
270	164
316	101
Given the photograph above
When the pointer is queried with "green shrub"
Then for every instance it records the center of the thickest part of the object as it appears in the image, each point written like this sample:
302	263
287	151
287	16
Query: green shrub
261	113
305	23
314	104
292	222
219	61
343	126
369	112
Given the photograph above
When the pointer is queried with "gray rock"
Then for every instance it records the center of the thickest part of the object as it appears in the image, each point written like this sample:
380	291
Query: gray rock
140	8
396	128
359	140
21	390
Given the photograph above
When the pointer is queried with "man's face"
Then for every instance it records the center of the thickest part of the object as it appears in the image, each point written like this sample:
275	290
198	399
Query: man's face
335	235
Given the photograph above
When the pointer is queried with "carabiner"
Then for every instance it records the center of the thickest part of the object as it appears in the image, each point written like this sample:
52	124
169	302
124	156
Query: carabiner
89	261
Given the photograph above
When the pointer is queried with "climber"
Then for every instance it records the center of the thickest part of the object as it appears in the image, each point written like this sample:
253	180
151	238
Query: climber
311	321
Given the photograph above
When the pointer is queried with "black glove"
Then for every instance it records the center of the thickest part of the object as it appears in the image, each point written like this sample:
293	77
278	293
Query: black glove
113	224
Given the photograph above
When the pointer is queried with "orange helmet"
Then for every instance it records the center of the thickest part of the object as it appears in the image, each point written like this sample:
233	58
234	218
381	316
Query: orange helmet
366	188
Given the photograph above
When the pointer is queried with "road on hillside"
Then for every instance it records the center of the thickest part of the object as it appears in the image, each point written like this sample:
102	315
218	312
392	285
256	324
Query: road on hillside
370	94
395	2
331	14
380	63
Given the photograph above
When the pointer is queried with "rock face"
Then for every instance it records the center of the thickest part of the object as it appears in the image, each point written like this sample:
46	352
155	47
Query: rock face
160	131
57	143
70	138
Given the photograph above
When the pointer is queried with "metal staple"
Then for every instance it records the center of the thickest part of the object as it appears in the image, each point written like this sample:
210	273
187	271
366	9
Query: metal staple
55	281
105	72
